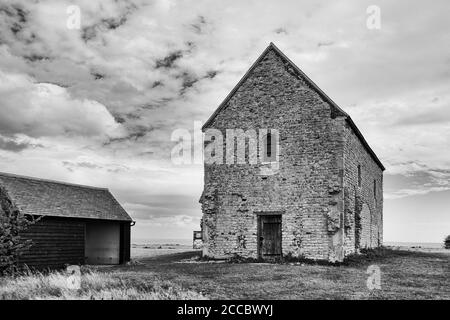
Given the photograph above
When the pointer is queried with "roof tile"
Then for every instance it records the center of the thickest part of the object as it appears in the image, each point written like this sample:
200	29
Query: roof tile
58	199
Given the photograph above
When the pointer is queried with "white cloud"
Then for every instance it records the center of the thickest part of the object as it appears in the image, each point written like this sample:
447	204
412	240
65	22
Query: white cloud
44	109
61	89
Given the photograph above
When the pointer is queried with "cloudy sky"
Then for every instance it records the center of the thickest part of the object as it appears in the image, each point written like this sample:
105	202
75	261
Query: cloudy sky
97	104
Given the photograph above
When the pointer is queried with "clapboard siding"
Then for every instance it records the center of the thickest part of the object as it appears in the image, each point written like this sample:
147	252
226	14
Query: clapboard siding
55	243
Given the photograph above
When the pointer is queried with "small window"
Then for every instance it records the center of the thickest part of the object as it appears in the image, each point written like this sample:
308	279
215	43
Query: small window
359	175
269	145
375	189
213	152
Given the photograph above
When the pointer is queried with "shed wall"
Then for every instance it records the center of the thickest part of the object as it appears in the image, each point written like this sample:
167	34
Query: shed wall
102	243
125	242
55	242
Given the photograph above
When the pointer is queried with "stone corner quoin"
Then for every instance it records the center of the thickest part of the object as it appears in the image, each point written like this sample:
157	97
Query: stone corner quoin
324	202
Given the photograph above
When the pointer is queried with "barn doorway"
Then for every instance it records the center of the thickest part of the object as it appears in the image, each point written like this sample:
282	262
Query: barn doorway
102	242
269	235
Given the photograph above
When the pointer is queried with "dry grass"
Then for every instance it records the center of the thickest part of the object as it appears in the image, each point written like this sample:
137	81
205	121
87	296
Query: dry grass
94	285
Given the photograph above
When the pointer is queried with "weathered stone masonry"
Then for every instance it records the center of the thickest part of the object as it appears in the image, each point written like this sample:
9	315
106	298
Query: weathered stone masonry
323	209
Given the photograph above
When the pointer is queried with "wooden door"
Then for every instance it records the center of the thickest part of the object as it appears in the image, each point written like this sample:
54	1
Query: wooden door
269	236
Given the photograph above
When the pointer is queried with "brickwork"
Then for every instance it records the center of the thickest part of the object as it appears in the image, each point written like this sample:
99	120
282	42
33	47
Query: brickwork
308	188
362	204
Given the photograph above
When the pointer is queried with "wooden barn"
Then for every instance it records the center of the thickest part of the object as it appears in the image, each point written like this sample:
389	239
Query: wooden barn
78	224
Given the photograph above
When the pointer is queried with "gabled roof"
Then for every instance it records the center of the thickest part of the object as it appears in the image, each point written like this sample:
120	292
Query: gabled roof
338	111
33	196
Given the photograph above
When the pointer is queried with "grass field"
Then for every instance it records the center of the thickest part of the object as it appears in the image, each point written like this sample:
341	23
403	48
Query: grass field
404	275
94	285
159	274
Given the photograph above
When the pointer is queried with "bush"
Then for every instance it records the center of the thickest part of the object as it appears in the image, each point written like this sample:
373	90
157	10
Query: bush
235	258
12	222
447	242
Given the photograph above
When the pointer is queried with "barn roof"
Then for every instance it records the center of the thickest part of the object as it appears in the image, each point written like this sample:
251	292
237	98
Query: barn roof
316	88
41	197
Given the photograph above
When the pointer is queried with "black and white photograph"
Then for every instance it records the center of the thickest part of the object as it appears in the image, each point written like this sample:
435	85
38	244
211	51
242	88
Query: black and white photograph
209	151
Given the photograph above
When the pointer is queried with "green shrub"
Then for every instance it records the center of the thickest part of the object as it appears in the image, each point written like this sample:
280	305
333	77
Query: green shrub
12	222
447	242
239	259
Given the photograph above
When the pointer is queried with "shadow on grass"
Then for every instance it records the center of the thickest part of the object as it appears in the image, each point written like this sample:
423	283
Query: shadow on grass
170	257
366	256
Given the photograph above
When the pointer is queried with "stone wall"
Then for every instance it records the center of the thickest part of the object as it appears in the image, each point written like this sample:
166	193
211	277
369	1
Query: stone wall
307	190
363	207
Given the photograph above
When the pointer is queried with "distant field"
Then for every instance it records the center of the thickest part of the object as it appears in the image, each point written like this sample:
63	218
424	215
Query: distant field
418	247
139	251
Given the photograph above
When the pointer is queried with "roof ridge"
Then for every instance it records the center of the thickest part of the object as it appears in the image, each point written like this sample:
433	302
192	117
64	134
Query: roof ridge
13	175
